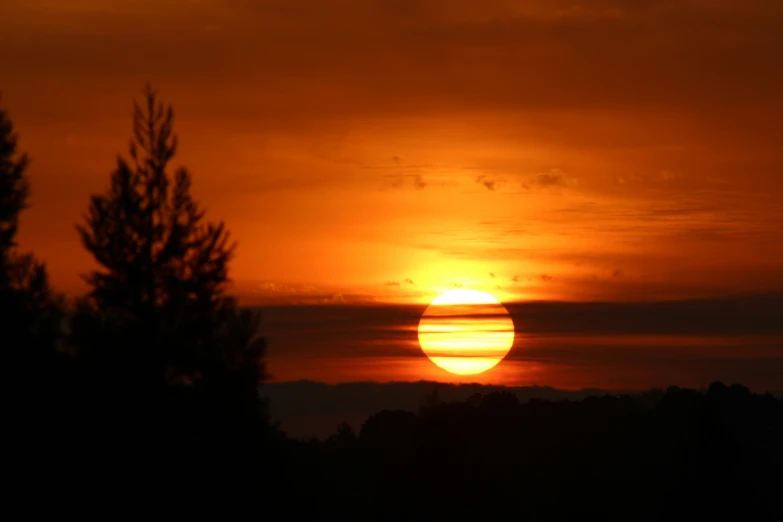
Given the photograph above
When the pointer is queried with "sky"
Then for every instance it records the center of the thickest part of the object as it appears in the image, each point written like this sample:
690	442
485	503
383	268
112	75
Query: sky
385	151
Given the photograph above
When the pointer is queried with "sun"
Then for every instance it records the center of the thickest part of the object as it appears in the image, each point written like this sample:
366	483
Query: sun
466	331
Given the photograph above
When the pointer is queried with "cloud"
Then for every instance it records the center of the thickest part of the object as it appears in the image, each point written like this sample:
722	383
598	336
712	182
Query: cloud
415	176
755	315
269	287
272	293
554	178
488	183
401	181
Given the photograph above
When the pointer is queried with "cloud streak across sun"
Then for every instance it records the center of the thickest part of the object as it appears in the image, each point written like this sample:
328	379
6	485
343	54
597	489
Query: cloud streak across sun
622	345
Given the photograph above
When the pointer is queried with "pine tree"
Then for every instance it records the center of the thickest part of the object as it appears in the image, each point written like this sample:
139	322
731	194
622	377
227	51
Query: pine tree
32	312
159	293
14	187
178	361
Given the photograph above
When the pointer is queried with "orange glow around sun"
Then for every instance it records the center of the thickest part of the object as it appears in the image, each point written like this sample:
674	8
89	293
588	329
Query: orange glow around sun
466	331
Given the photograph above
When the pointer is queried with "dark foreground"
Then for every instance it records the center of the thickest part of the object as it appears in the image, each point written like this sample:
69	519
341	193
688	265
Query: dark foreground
674	455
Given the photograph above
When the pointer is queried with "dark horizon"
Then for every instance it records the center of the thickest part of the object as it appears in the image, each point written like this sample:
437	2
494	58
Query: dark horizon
311	409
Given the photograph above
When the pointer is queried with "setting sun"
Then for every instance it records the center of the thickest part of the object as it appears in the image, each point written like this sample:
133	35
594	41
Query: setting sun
466	331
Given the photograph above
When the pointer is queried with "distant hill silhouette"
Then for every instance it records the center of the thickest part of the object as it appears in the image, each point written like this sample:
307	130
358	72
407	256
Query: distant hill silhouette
308	409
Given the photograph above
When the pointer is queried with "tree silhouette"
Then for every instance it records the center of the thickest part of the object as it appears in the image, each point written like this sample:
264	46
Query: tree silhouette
14	187
32	312
157	326
160	288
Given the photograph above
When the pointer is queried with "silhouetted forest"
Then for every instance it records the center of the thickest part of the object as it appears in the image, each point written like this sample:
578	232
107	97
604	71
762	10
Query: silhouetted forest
308	409
150	382
674	455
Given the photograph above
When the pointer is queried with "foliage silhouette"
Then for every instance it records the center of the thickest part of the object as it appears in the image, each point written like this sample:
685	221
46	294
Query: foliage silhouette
157	318
163	270
31	311
688	455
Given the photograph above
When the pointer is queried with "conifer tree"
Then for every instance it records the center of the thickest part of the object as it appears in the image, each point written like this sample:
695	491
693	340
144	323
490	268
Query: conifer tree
159	294
31	311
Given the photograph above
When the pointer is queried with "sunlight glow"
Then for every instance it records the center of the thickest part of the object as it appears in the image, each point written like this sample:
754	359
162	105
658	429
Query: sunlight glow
466	331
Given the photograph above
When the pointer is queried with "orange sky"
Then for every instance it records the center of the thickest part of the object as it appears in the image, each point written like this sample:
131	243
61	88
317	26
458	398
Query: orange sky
391	149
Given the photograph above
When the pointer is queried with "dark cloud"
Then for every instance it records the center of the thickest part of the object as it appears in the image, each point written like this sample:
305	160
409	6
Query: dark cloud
487	182
416	176
399	181
555	178
751	315
298	329
271	294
